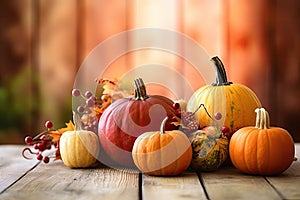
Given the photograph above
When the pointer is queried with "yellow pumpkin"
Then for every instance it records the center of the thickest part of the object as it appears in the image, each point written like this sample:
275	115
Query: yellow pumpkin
162	153
235	102
79	148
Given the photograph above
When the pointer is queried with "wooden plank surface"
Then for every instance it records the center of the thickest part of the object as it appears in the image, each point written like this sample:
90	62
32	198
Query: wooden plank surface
229	183
13	165
29	179
56	181
185	186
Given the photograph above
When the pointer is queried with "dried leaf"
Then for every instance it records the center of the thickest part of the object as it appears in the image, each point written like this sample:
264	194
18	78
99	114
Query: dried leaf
57	134
177	122
57	158
109	86
69	127
112	89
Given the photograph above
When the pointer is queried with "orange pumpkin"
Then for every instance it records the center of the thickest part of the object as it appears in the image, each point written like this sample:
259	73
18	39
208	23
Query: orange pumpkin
127	118
262	150
162	152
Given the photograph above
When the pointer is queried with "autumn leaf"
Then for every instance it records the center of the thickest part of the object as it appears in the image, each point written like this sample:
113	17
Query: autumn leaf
177	121
112	89
69	127
57	133
108	86
99	110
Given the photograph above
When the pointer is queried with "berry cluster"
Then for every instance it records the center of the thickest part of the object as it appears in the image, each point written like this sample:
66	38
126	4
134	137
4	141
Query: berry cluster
189	123
41	143
86	117
91	109
89	100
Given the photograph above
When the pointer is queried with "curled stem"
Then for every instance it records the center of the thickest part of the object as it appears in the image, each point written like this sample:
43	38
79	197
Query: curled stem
28	149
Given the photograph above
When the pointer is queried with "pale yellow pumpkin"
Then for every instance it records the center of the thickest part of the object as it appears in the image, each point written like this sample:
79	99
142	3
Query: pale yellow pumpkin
79	148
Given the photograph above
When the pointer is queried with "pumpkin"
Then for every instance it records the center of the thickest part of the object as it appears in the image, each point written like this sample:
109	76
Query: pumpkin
210	149
79	148
162	153
262	149
127	118
235	102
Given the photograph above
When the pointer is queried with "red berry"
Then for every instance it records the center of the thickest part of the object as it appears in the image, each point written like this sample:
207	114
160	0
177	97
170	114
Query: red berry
36	146
28	140
48	124
88	94
225	129
218	116
39	157
75	92
41	146
93	98
90	102
80	109
176	106
46	159
43	137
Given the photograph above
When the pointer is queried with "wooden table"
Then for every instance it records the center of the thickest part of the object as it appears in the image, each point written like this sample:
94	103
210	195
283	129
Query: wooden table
30	179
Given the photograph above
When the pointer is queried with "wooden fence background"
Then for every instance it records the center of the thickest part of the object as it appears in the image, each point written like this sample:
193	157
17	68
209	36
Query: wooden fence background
43	43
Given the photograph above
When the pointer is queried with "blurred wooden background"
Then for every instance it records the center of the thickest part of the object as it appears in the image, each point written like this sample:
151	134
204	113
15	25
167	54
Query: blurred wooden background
43	43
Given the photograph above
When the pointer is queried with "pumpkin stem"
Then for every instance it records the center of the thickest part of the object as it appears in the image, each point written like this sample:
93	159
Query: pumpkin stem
221	78
258	118
162	125
140	90
262	118
266	118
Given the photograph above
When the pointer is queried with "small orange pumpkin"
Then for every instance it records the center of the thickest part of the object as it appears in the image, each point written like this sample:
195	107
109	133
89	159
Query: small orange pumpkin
127	118
262	150
162	153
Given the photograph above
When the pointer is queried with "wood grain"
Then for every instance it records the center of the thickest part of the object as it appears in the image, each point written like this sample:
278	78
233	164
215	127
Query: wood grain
56	181
29	179
186	186
13	165
229	183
